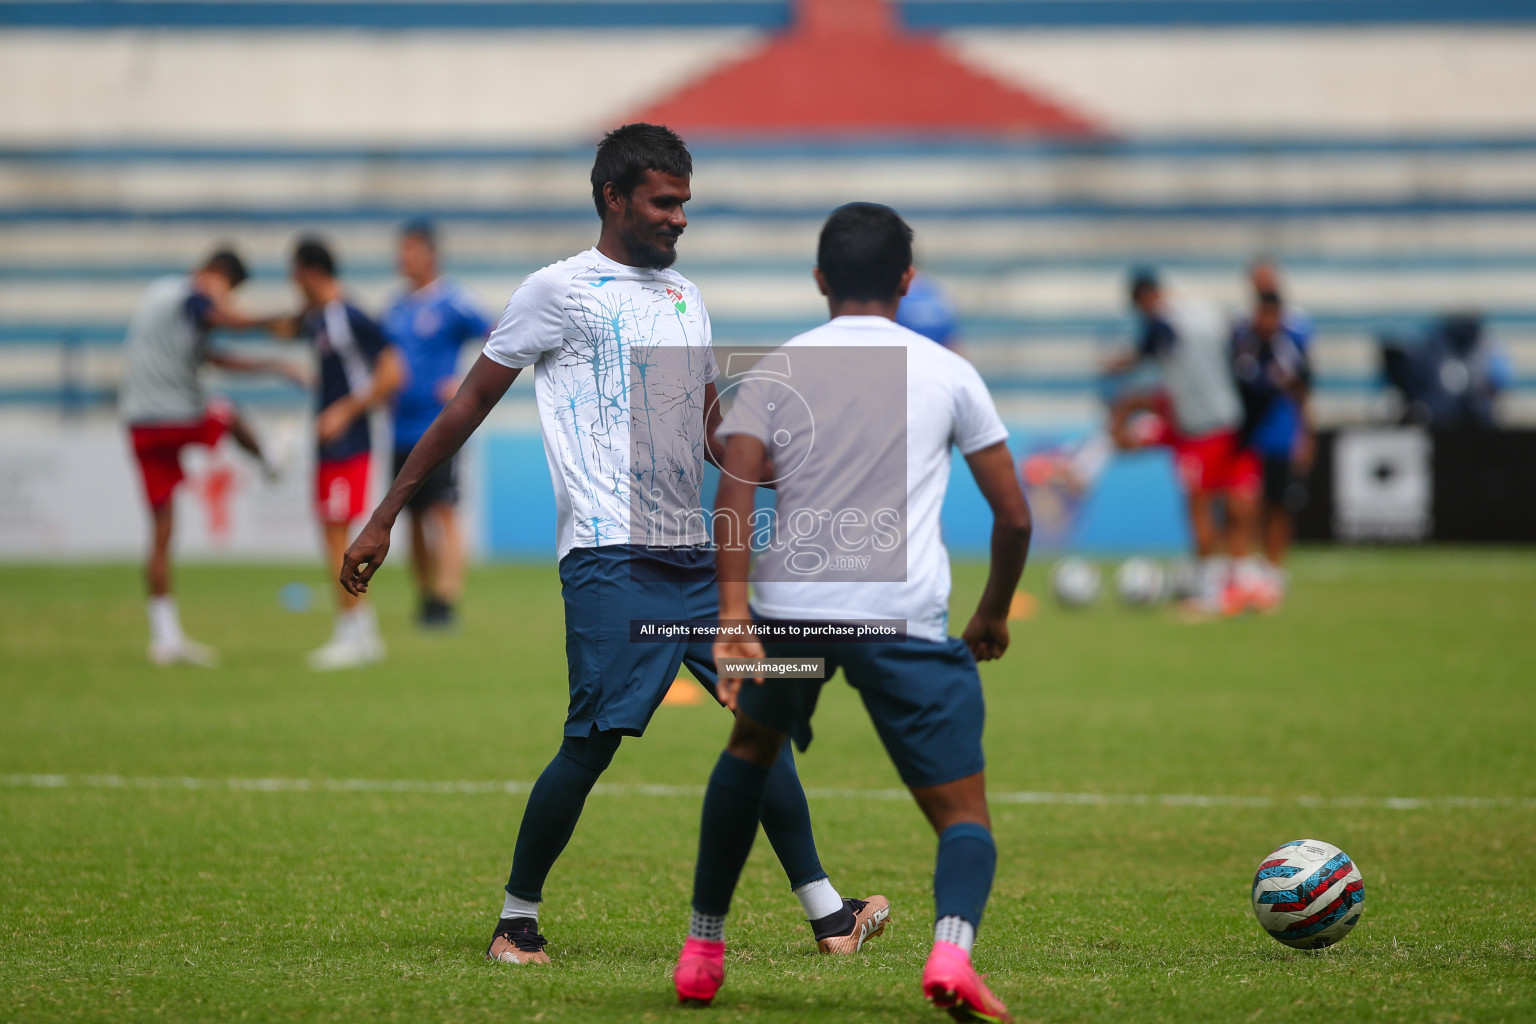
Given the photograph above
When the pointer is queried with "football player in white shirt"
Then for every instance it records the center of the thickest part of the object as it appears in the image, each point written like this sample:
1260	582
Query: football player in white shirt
623	375
856	420
166	409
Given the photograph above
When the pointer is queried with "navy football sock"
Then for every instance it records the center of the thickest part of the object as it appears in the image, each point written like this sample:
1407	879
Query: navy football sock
733	804
787	821
554	806
962	877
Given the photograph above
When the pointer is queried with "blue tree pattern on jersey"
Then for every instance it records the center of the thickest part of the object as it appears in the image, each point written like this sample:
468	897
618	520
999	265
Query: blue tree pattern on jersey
630	389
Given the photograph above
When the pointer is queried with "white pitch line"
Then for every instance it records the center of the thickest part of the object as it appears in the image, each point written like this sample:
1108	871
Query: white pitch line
283	785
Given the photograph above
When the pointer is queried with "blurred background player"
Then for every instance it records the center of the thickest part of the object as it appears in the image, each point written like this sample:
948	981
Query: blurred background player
1274	378
923	692
929	311
163	403
573	321
359	371
1450	375
429	323
1190	341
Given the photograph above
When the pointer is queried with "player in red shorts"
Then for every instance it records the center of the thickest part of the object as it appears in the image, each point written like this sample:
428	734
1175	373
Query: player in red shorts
359	371
164	405
1201	418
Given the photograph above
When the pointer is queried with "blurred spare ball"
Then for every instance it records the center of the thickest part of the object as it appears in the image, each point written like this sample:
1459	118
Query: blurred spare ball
1076	582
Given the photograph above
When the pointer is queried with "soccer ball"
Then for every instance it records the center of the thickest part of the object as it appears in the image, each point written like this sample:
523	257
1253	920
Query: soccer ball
1139	581
1183	578
1308	894
1076	582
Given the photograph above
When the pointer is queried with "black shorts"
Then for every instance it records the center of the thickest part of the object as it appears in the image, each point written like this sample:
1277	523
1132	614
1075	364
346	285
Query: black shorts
1283	486
441	488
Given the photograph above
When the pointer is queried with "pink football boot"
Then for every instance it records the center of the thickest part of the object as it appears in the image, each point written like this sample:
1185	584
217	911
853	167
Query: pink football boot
700	971
953	984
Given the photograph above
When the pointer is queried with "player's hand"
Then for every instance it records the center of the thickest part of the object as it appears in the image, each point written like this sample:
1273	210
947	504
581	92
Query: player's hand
986	637
334	419
364	557
726	688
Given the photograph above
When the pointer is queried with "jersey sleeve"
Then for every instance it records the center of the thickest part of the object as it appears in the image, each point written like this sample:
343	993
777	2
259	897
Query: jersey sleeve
977	424
532	324
199	308
749	413
711	366
369	336
1156	338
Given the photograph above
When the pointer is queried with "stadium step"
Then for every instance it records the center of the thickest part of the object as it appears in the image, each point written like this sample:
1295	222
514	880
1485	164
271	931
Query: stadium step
1032	240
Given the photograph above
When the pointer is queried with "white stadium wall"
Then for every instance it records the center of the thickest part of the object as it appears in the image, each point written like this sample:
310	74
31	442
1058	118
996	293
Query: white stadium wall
559	87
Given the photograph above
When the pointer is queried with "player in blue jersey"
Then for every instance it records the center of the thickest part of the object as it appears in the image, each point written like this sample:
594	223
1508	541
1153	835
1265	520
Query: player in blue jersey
624	372
359	371
872	442
430	323
1274	378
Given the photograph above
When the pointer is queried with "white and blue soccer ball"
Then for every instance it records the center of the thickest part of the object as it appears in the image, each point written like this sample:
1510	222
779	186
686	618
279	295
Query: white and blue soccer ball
1140	582
1076	582
1308	894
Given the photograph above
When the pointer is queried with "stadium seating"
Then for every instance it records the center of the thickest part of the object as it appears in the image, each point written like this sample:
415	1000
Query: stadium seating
1033	240
1385	154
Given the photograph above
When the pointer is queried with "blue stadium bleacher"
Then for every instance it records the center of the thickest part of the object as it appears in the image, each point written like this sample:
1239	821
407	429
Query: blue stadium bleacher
1034	239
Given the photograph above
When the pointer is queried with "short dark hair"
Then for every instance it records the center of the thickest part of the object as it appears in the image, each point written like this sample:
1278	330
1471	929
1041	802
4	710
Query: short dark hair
227	262
422	228
864	250
626	153
313	254
1143	280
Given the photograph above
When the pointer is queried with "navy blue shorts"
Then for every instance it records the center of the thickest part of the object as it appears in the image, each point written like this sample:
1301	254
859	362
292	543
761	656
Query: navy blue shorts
924	697
616	684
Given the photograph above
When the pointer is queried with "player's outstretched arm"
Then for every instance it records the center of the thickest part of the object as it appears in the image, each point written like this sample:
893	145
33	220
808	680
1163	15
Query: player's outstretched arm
745	458
224	315
245	364
483	387
987	632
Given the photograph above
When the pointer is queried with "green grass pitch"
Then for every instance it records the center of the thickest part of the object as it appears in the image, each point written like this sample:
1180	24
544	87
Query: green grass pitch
1407	676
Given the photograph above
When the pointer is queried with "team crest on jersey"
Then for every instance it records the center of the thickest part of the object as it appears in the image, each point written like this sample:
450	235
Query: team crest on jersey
677	300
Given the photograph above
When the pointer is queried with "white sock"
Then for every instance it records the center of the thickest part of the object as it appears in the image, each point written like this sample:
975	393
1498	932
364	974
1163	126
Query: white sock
819	899
361	624
164	621
515	907
956	931
708	927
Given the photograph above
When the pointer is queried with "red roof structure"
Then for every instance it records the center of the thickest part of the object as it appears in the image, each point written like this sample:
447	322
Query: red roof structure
846	68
